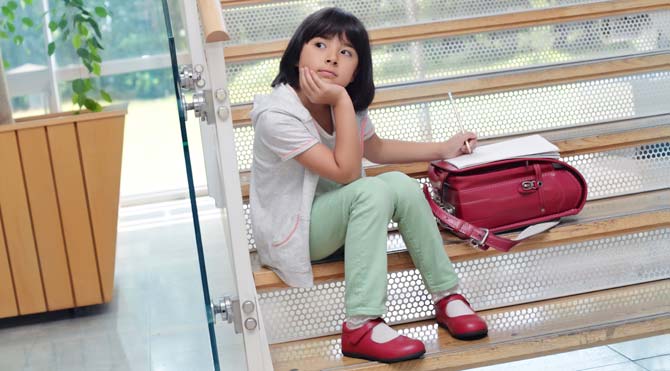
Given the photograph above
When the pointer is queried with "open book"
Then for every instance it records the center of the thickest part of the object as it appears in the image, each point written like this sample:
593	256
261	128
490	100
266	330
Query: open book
529	146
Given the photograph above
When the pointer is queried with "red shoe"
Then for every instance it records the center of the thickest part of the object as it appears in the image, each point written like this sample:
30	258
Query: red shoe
358	343
466	327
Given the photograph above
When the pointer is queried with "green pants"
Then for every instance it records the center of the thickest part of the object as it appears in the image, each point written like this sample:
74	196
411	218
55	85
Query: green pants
357	216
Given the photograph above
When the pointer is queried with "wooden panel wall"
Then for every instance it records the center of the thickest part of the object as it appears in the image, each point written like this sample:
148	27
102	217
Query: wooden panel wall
18	231
59	194
46	219
102	169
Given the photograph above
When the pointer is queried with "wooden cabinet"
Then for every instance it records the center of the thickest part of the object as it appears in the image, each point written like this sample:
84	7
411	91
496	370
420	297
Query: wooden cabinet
59	196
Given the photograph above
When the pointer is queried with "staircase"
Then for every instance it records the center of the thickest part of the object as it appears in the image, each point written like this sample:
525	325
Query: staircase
593	77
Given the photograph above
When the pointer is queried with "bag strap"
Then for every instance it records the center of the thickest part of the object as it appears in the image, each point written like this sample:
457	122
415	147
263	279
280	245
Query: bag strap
481	238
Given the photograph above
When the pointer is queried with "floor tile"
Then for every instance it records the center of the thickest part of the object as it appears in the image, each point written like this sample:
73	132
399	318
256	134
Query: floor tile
661	363
183	350
576	360
644	348
626	366
13	357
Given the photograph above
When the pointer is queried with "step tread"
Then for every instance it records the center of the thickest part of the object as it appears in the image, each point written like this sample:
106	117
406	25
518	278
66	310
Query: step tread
570	141
598	219
469	25
500	81
515	332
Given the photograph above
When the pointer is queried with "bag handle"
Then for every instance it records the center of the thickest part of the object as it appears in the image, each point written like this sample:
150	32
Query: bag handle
481	238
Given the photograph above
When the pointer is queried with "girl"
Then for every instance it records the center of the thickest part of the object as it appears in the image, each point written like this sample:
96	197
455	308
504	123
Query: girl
309	195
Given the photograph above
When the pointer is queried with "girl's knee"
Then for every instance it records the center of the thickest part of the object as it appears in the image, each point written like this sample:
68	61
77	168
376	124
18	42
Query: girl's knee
403	184
373	190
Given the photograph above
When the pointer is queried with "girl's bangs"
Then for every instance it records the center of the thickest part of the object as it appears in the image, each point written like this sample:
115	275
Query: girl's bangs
329	30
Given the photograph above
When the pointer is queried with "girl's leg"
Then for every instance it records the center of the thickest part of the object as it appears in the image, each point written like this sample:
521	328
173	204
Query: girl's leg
420	233
356	216
424	243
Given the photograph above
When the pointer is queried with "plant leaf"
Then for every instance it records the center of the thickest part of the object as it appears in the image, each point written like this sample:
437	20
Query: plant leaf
92	105
105	95
95	27
12	5
97	43
18	39
75	98
3	35
83	31
28	2
27	22
53	26
5	63
10	27
6	11
100	11
83	53
76	42
51	48
78	86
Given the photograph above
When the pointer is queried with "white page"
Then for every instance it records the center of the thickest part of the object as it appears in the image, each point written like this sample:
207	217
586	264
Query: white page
528	146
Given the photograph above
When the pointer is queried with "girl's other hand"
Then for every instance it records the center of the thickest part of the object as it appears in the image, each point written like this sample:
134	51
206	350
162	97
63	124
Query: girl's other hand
455	146
318	91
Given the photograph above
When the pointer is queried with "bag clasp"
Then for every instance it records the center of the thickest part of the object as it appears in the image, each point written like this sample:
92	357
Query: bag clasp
528	185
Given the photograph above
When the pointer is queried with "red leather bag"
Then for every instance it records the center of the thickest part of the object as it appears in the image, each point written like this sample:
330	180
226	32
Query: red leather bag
504	195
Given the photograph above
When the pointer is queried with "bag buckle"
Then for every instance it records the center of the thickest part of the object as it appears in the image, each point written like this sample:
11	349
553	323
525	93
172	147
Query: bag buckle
478	244
527	185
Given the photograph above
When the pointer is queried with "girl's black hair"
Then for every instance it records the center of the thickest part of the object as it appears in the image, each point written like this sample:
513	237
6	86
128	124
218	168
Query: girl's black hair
327	23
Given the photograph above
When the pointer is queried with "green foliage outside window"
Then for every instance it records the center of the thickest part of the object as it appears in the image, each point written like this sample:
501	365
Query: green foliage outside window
73	24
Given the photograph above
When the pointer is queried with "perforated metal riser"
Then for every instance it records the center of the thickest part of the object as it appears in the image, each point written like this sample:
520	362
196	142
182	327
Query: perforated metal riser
513	112
278	20
491	282
516	325
608	174
485	52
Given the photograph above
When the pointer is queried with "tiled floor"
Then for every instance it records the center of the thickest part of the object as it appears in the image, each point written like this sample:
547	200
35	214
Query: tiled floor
157	318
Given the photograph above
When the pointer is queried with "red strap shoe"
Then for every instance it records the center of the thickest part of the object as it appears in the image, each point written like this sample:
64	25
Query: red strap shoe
358	343
465	327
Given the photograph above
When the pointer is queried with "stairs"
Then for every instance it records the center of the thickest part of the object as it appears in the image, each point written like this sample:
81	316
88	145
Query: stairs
515	332
593	77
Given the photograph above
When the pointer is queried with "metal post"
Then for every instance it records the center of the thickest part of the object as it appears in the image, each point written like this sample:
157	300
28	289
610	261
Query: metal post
220	126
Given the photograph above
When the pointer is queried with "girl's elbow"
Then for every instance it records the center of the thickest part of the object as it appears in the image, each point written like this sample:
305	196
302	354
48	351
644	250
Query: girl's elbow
350	176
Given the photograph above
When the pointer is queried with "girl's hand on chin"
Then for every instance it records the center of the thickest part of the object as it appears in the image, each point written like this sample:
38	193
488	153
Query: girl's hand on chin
319	91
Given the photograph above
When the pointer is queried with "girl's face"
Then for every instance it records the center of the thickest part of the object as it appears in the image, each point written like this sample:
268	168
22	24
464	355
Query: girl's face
334	60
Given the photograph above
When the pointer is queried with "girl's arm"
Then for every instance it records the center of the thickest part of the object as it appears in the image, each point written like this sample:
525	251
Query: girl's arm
389	151
343	164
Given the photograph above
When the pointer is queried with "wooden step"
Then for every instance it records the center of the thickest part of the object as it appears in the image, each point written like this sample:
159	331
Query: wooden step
570	141
599	219
470	25
515	332
500	81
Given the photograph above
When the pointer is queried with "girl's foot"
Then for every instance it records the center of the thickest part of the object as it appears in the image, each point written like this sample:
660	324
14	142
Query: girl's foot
455	314
371	342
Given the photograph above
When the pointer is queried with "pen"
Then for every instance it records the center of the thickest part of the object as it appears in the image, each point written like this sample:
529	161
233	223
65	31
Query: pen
460	123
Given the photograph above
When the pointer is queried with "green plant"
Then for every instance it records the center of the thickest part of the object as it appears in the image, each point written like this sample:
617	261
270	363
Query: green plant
70	20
